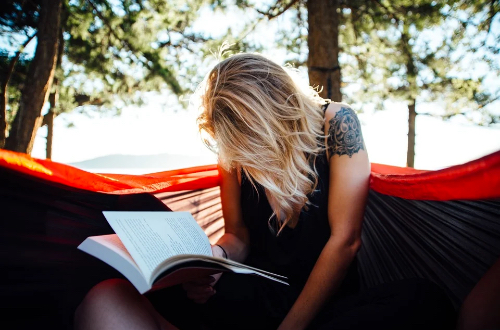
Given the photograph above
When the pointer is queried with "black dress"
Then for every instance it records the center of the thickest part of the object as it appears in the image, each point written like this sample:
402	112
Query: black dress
250	302
293	252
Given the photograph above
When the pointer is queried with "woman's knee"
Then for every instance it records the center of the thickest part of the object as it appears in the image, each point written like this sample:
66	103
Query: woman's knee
104	296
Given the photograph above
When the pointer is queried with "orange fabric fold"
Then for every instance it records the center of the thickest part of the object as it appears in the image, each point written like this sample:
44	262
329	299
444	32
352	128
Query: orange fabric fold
478	179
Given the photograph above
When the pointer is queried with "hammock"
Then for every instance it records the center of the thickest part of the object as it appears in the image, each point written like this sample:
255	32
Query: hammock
441	225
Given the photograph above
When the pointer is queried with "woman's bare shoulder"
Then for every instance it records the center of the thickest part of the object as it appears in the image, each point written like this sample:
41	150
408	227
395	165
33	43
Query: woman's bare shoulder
343	131
333	108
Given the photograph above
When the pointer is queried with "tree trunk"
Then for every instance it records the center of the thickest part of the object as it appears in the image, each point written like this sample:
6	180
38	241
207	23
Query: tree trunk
3	115
3	95
50	134
412	73
38	80
48	119
323	43
412	116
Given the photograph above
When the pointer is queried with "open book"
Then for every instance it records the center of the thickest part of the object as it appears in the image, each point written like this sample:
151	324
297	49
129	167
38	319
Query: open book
154	250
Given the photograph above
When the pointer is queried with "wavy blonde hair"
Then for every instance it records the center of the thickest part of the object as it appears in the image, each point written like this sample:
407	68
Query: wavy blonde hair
262	121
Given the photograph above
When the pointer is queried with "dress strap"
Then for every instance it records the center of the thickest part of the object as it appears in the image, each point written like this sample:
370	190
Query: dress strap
325	106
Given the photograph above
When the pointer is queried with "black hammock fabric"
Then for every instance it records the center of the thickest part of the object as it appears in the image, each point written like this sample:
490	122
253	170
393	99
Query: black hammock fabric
452	243
414	226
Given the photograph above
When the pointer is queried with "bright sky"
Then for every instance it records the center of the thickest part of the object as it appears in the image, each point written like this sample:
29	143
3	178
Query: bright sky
148	130
153	130
156	128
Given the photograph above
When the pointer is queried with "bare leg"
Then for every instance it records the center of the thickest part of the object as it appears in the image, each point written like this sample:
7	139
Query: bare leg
116	304
480	309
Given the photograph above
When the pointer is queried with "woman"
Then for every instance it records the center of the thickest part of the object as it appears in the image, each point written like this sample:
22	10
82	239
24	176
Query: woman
295	175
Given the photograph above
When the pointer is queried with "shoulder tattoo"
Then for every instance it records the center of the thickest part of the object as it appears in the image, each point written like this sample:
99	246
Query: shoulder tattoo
344	134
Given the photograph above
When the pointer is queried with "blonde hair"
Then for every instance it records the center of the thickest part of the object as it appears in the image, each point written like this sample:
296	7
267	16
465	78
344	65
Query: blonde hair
262	121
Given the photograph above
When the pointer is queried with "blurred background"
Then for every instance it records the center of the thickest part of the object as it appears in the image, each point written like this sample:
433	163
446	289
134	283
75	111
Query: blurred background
107	85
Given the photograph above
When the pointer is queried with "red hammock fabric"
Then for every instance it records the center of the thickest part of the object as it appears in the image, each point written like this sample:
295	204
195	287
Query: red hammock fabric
440	225
478	179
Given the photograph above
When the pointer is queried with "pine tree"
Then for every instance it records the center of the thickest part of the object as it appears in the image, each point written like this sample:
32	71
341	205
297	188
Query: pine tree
38	79
379	45
425	55
312	21
110	53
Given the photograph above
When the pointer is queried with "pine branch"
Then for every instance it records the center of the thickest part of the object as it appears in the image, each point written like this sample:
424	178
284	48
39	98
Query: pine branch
271	14
14	60
172	81
4	96
492	13
388	11
84	99
482	105
194	38
113	33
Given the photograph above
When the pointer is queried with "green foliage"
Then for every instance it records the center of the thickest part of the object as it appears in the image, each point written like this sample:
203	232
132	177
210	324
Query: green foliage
16	81
427	54
114	51
428	50
19	16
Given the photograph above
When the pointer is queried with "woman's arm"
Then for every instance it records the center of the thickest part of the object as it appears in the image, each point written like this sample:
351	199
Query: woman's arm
235	238
348	189
234	242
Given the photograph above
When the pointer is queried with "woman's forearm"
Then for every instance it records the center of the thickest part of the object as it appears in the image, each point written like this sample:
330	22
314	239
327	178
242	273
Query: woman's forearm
235	247
326	276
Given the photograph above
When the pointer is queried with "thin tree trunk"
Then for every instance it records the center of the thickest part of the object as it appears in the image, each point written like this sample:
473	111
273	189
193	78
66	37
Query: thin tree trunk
49	120
50	134
412	73
323	43
38	80
3	96
412	115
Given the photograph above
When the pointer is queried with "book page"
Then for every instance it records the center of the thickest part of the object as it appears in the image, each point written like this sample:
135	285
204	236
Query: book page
114	243
152	237
110	249
196	262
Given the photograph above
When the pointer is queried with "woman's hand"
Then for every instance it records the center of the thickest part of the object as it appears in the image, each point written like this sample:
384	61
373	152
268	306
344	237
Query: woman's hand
235	238
200	290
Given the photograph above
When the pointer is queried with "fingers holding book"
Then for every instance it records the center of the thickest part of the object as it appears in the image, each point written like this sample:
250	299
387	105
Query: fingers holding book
200	290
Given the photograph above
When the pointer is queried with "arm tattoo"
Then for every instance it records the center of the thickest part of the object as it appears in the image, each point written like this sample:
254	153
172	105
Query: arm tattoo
344	134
